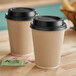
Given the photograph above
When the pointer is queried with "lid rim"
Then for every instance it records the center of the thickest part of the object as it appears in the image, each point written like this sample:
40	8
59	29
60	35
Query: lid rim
49	29
19	18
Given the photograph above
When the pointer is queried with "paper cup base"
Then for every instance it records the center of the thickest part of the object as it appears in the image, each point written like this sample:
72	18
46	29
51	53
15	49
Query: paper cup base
47	67
21	55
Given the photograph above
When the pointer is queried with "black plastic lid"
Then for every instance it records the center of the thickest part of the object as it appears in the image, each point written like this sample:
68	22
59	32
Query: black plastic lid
48	23
21	13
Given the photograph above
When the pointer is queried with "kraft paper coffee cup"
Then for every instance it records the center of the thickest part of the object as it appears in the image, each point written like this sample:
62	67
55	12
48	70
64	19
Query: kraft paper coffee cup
20	35
48	36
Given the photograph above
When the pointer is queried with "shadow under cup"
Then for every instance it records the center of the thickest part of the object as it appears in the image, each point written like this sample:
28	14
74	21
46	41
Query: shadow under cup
48	36
20	35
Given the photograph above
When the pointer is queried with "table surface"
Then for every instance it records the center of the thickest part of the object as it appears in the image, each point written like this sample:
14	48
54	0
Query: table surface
67	66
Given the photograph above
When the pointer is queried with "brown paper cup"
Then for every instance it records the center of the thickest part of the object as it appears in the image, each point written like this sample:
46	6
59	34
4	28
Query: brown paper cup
20	34
48	36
